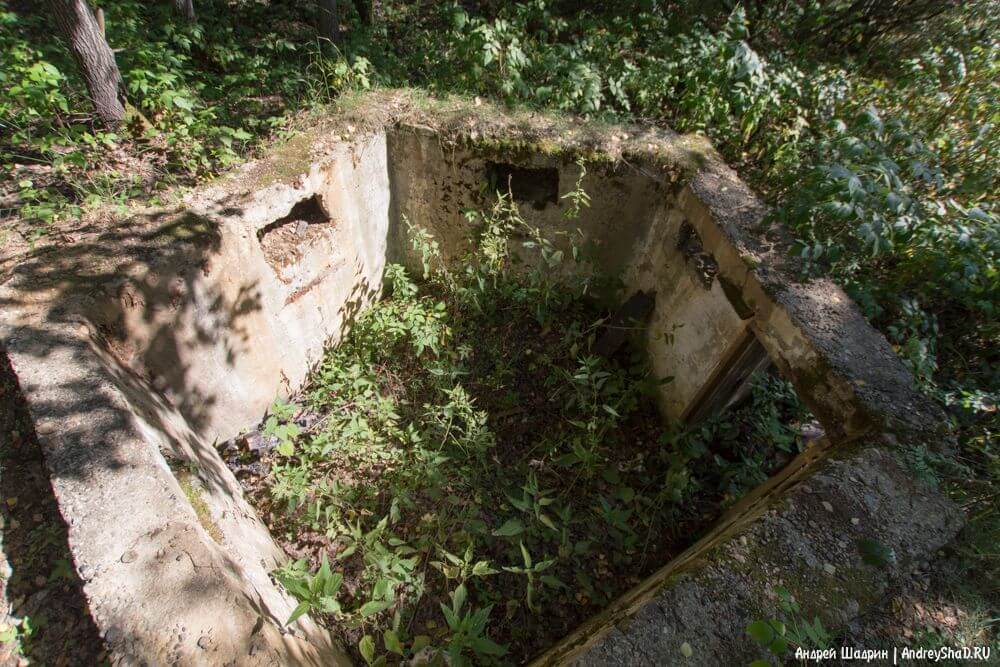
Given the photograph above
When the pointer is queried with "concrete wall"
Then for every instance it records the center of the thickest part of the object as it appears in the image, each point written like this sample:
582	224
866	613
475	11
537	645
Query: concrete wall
631	231
277	324
433	184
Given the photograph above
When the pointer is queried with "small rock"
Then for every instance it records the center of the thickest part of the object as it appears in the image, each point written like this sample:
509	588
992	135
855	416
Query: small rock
855	521
129	556
258	443
827	506
686	650
301	228
812	431
307	419
206	643
829	568
258	469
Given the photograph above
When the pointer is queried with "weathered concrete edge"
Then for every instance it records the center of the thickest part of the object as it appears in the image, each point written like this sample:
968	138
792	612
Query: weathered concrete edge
490	129
174	596
840	365
160	588
800	531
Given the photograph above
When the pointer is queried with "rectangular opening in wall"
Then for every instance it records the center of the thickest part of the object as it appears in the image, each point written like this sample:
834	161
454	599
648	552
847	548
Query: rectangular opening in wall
732	380
286	240
529	185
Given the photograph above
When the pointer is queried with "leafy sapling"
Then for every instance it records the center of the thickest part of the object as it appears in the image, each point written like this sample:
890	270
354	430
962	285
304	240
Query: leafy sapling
315	592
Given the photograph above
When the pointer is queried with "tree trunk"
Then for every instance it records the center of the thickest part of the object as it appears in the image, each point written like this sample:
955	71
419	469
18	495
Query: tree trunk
94	57
186	9
329	23
364	8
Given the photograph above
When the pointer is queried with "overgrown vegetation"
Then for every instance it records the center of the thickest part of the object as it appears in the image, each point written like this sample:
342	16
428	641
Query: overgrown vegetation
203	95
872	128
466	477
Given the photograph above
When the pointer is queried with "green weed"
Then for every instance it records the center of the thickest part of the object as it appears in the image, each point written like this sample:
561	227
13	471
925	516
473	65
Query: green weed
470	455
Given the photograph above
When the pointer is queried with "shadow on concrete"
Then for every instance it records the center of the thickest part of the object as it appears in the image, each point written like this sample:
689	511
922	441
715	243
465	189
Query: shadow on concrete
41	587
149	265
69	329
105	335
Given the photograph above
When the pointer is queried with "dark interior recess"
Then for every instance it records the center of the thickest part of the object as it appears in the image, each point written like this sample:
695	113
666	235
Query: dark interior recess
731	381
308	211
538	187
703	264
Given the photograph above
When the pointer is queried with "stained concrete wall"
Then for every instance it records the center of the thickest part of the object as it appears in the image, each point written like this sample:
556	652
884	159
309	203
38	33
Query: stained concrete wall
142	344
433	184
283	324
631	233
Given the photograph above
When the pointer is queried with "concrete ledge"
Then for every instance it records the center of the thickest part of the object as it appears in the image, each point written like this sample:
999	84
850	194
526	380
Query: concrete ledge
800	532
841	367
161	590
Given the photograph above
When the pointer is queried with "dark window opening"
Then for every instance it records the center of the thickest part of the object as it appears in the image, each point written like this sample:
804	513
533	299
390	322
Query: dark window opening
732	380
286	241
538	187
306	212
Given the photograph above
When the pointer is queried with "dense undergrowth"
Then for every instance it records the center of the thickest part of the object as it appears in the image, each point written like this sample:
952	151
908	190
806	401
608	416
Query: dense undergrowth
876	144
464	475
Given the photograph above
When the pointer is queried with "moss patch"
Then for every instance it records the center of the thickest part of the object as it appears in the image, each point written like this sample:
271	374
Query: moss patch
193	492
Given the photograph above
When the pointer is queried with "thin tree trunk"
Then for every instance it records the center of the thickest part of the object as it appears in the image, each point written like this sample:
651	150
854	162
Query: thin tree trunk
93	55
364	8
329	23
186	9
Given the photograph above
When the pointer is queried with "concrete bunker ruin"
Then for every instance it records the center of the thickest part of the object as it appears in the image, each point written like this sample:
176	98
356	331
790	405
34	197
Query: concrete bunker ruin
140	346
